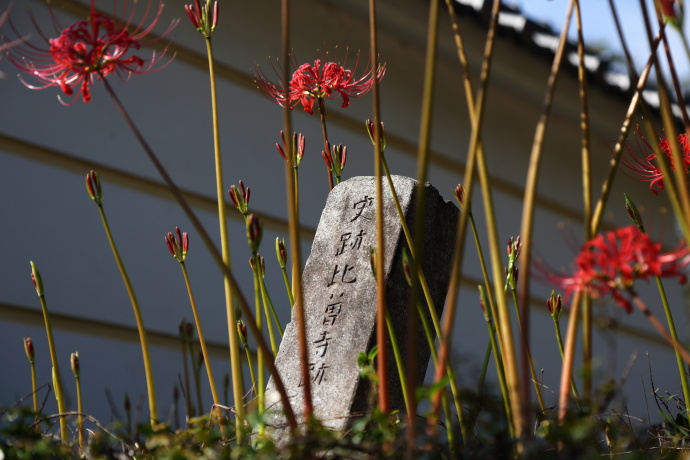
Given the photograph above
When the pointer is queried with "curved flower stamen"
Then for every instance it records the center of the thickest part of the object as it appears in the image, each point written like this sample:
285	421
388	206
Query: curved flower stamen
643	163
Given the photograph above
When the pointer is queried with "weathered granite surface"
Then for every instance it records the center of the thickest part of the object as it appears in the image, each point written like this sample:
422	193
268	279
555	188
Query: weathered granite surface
340	297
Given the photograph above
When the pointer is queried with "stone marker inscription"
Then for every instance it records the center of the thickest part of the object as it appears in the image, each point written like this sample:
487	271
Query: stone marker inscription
340	297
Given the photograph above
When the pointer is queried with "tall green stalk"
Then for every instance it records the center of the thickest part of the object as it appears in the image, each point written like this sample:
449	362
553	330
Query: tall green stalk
235	363
293	228
202	340
382	357
57	381
93	186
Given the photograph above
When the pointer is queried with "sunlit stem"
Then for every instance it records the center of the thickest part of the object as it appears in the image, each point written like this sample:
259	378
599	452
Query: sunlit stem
444	401
569	357
185	370
476	109
259	297
674	335
324	132
381	303
500	371
34	394
235	363
398	357
261	381
559	339
196	370
288	289
143	339
535	380
202	340
268	304
80	417
59	395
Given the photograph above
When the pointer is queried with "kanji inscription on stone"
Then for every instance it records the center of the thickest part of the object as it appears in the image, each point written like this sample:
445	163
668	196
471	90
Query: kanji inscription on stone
340	297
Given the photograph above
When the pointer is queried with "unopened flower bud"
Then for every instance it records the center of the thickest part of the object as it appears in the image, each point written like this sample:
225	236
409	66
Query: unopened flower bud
127	404
371	130
254	232
482	303
281	253
633	213
36	279
460	195
555	305
74	362
178	244
29	349
242	331
93	186
240	197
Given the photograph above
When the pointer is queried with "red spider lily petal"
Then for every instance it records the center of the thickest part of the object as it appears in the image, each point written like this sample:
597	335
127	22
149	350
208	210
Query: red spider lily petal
321	80
612	262
91	49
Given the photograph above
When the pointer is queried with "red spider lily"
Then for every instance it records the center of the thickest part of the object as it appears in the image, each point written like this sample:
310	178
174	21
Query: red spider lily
611	262
322	80
643	161
91	49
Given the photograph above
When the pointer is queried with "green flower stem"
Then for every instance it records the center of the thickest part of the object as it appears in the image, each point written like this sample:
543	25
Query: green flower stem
235	363
143	339
382	359
674	335
618	149
196	369
215	254
324	132
288	289
259	294
657	325
476	109
250	364
398	359
535	380
500	370
34	395
202	340
80	417
266	298
427	295
453	383
188	390
293	228
409	240
559	339
59	395
586	196
260	357
569	357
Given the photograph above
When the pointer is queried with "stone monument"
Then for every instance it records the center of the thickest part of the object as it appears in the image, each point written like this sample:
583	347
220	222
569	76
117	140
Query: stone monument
339	291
